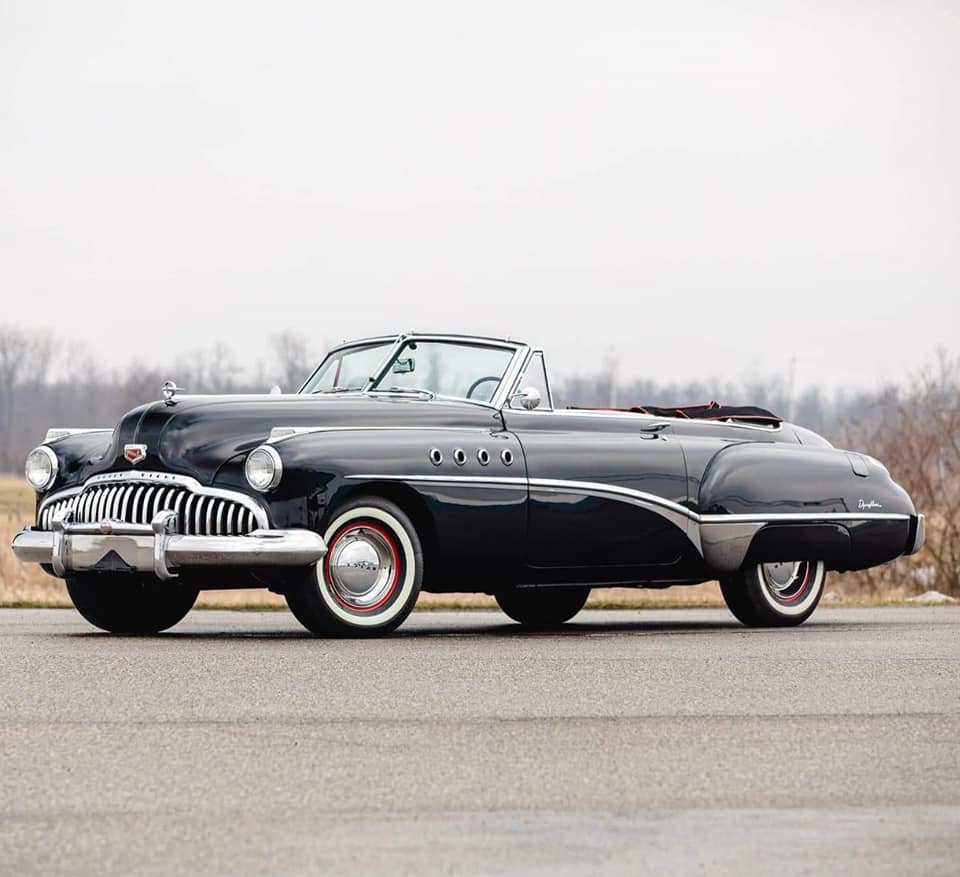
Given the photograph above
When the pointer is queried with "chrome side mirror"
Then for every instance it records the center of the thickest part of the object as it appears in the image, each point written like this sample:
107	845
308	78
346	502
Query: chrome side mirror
528	397
275	390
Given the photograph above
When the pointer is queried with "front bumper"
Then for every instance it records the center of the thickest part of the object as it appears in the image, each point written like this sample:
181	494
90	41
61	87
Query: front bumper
156	548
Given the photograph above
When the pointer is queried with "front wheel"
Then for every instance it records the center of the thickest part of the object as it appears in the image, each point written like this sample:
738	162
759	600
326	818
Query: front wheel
128	603
542	608
780	594
370	577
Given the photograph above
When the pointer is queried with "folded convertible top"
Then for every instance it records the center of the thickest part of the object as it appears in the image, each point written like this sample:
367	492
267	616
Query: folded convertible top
710	411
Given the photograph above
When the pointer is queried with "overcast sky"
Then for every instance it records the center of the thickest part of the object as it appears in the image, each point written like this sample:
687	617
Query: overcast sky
707	188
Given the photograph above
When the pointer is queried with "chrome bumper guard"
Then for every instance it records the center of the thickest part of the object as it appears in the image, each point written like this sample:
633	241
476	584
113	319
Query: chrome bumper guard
919	537
158	549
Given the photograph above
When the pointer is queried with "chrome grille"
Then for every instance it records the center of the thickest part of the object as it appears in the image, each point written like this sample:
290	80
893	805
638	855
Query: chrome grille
137	502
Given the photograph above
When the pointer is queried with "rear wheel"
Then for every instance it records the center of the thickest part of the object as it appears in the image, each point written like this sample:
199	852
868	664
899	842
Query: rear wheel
369	579
774	594
542	608
127	603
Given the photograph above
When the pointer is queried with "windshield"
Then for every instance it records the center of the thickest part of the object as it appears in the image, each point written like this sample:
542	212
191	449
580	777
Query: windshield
447	368
349	369
440	368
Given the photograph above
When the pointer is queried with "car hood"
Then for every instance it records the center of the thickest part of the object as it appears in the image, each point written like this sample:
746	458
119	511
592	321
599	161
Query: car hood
198	435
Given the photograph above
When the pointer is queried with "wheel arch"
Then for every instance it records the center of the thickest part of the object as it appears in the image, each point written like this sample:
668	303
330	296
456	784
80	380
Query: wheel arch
408	500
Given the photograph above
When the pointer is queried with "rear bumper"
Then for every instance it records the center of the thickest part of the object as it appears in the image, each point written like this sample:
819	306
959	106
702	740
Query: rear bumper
155	548
844	541
918	535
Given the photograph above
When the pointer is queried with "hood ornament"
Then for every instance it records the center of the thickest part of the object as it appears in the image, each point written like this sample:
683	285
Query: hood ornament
169	391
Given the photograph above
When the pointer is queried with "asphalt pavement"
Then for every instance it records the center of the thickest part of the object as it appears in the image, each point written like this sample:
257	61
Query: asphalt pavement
633	742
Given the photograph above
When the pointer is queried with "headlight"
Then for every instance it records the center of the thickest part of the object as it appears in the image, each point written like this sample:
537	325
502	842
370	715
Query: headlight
41	469
263	468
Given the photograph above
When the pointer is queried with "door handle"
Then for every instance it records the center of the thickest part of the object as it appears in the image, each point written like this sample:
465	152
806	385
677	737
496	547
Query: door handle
654	427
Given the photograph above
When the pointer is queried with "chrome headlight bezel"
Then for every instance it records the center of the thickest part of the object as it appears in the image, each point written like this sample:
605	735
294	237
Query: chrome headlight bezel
50	464
274	467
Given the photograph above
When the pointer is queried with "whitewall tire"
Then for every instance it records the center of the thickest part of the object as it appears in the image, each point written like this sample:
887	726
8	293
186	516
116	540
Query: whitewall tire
775	594
370	578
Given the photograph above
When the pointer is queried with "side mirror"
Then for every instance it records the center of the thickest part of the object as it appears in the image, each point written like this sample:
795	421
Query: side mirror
404	366
528	397
275	390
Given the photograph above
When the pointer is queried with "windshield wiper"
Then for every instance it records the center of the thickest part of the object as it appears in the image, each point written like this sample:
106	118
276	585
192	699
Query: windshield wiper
337	390
419	390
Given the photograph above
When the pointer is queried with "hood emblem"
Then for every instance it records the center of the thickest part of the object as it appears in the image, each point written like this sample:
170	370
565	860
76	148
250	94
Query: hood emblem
134	454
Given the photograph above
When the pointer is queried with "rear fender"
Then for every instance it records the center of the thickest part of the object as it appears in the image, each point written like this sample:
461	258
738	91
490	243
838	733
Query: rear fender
763	501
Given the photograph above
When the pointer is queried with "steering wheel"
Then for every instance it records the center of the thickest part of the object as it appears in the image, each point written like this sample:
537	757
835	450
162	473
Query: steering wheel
478	382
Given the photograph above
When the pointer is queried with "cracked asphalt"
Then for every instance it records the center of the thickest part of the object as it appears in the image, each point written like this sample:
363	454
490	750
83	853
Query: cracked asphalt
632	742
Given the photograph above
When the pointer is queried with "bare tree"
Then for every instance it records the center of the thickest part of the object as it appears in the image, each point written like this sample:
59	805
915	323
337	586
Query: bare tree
292	352
917	434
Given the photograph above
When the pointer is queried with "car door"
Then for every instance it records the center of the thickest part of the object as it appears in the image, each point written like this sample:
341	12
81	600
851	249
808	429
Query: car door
603	493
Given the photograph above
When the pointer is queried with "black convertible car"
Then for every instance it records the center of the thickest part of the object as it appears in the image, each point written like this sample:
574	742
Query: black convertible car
439	462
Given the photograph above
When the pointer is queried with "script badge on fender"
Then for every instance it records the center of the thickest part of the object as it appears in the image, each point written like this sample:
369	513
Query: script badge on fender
134	454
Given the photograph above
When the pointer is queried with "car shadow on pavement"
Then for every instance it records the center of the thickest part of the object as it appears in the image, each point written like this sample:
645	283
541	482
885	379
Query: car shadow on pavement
467	628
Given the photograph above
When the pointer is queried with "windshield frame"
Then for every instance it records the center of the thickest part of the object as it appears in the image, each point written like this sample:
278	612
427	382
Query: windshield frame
497	400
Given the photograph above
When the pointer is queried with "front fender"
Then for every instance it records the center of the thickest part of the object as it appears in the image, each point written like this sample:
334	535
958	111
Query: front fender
78	457
473	511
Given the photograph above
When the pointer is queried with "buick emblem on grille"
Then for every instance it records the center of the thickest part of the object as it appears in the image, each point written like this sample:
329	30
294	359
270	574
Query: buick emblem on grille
134	454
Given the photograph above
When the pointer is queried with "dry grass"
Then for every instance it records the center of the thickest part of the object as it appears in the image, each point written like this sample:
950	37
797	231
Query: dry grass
28	585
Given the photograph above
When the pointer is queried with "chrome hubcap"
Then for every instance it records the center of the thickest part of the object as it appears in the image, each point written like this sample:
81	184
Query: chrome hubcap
787	581
781	576
361	566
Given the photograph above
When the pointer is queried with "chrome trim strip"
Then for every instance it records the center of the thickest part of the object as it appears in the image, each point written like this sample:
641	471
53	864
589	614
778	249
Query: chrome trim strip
798	516
54	434
510	377
479	480
595	488
282	433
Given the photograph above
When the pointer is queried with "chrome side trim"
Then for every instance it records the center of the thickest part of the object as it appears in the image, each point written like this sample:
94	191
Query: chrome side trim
282	433
600	489
54	434
597	488
723	540
798	516
478	480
